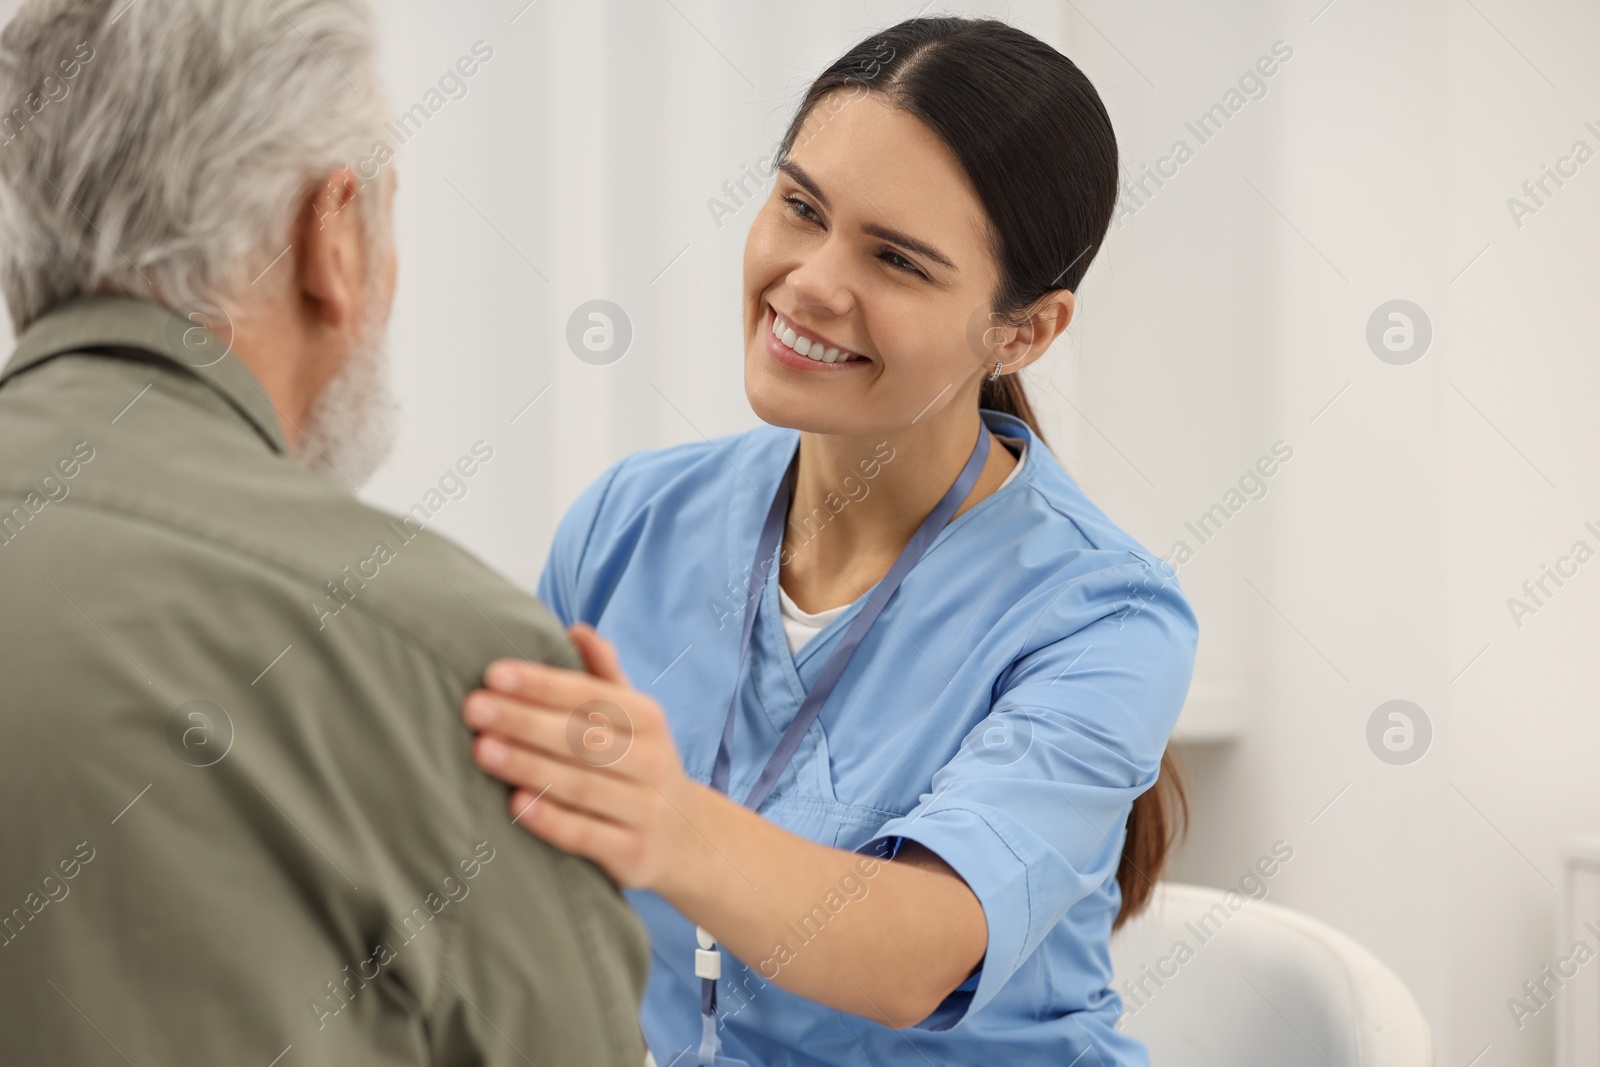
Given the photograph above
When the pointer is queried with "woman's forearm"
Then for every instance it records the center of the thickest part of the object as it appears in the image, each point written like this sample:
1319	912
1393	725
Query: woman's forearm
887	940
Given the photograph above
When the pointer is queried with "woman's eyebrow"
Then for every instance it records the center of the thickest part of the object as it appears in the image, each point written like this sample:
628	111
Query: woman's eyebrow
804	181
922	248
908	242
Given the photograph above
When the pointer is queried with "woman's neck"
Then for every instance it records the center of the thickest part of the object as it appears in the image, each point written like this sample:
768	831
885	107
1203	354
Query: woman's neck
859	500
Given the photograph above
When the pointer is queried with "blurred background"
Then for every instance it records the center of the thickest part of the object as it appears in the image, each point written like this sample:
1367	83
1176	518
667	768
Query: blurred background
1344	265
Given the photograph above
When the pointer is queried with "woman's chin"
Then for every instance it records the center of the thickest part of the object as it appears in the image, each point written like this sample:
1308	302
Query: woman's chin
776	405
770	405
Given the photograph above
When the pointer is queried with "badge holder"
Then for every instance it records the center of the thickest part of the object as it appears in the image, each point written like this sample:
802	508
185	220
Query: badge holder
708	968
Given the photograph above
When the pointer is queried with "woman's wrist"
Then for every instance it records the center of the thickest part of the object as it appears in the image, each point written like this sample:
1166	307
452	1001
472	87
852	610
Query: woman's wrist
696	863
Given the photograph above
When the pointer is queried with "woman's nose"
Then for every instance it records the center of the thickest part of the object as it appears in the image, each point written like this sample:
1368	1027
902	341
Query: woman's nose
823	279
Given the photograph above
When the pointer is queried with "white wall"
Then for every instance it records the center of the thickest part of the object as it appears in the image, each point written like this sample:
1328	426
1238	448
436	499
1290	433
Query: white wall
1380	565
1227	313
1523	482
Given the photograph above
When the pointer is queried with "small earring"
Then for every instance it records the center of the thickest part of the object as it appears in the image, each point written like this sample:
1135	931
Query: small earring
994	375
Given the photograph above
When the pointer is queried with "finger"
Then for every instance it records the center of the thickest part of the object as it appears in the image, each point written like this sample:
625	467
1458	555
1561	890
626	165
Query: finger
541	683
532	725
597	733
598	653
591	790
572	831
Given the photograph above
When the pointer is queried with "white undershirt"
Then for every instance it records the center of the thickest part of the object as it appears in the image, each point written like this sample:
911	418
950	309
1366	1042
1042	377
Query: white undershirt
800	627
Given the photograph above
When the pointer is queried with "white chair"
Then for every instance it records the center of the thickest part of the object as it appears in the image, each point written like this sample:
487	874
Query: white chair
1257	985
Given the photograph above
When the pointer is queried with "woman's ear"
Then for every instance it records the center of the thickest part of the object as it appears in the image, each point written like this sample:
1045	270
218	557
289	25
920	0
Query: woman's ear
1021	345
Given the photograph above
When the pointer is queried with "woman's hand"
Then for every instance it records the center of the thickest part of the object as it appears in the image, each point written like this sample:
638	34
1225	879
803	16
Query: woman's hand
592	760
596	773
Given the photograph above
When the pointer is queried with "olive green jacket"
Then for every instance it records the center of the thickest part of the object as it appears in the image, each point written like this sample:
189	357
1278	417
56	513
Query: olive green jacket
239	819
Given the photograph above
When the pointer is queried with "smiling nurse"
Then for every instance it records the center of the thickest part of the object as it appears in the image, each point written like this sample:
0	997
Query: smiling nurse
884	801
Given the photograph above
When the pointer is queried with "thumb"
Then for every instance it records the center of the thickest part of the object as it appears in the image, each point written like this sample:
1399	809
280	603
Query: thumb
599	655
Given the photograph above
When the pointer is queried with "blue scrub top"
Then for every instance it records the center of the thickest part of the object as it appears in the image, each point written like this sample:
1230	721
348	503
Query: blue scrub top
1012	701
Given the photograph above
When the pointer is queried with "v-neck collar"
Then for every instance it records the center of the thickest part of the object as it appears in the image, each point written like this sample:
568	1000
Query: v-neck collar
769	621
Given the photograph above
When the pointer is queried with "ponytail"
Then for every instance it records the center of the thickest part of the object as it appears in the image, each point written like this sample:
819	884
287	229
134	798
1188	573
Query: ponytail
1161	813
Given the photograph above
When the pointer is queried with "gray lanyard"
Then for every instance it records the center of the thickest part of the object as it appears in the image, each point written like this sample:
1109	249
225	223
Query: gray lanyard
708	961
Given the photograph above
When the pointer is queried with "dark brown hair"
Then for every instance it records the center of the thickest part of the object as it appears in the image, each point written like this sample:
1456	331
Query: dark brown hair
1035	141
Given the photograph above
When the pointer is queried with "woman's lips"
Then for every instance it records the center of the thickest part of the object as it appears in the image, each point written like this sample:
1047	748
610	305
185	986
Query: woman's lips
790	357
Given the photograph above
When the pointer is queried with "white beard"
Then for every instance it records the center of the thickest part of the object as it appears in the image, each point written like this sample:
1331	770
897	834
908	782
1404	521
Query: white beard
355	420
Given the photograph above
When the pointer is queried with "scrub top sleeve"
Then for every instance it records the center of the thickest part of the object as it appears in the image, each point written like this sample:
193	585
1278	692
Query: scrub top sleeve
1031	810
560	583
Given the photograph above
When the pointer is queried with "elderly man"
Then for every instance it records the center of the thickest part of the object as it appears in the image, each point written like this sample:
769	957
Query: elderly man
241	821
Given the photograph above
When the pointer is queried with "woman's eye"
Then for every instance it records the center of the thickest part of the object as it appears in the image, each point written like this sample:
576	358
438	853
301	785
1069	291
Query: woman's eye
895	260
802	209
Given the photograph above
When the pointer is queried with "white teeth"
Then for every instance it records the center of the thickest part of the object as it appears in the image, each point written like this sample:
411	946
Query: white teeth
804	345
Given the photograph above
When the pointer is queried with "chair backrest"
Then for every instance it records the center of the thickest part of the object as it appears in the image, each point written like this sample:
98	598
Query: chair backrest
1210	978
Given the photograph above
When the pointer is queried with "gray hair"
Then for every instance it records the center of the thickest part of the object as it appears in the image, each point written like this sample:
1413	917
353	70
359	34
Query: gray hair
160	148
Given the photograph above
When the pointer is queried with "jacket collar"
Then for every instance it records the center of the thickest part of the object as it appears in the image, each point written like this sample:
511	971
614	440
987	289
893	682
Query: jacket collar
119	325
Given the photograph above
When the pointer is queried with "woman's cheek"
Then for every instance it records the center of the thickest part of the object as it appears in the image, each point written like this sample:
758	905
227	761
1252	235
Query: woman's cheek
914	352
762	242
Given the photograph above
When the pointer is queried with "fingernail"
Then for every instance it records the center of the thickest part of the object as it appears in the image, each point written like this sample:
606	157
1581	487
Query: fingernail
481	712
503	677
492	752
525	803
